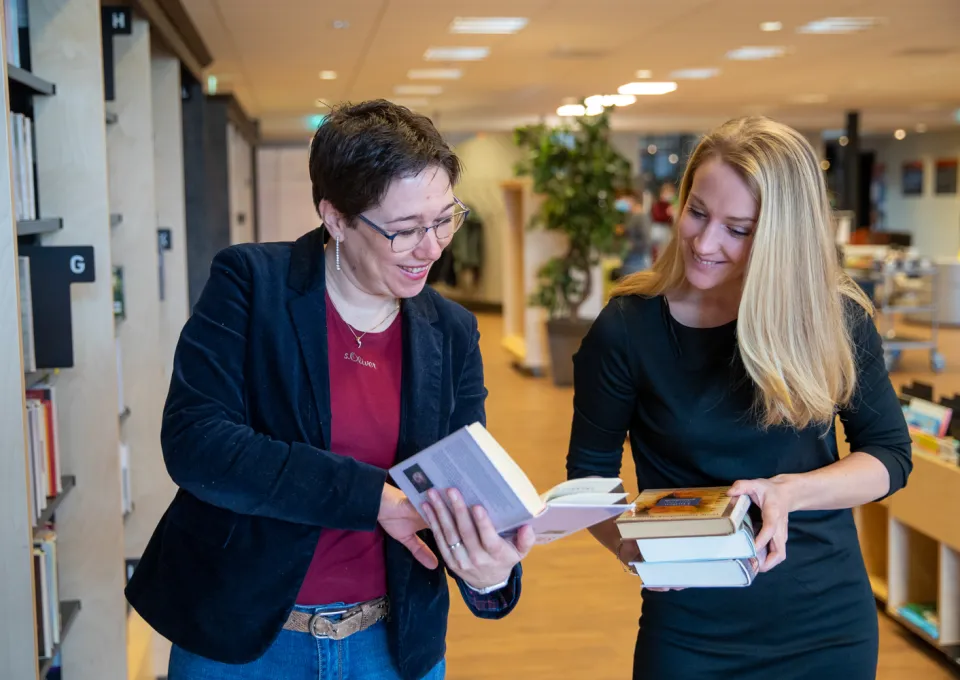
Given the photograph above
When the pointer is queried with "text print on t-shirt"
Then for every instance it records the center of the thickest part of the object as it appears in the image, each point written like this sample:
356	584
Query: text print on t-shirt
357	359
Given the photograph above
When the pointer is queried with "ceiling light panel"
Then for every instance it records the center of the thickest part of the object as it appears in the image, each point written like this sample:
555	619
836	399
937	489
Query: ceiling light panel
643	74
571	110
771	26
755	53
456	53
487	25
695	73
434	74
647	88
418	90
835	25
328	75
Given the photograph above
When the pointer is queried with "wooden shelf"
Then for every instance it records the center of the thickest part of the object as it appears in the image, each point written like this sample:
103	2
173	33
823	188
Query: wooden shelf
68	613
37	85
69	481
47	225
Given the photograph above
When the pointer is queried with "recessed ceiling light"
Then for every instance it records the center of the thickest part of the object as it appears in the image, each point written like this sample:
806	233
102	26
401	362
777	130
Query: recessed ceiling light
834	25
328	75
417	89
921	127
434	74
340	24
900	134
644	89
571	110
643	75
695	73
605	100
652	149
755	53
674	159
824	165
487	25
771	26
843	141
456	53
413	103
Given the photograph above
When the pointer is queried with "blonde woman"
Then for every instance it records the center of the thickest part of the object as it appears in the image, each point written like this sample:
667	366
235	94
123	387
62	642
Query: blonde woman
726	364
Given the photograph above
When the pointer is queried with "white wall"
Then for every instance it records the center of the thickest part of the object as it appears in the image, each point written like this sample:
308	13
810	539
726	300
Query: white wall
933	220
488	159
285	210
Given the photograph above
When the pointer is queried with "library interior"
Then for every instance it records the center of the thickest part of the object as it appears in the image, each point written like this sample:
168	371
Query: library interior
147	136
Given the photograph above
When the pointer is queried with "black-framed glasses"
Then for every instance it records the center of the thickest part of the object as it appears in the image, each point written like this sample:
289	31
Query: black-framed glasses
408	239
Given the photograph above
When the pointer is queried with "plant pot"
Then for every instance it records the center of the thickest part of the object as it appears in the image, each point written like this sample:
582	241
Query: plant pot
563	338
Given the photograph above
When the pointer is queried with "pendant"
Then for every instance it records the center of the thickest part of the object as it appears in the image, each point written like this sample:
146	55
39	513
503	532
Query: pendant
359	344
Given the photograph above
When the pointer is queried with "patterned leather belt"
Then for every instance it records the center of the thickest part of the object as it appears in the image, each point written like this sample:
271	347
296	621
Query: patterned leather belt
351	621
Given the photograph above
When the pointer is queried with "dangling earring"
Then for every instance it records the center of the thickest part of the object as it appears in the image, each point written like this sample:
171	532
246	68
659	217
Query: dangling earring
338	253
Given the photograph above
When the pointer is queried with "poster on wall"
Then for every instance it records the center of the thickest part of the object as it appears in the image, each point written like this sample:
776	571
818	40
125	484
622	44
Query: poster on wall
946	176
913	178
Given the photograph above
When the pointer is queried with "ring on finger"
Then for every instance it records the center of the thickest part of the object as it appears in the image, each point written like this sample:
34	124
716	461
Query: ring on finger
454	546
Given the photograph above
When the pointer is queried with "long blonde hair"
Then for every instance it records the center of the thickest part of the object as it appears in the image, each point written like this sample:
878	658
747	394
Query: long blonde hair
793	334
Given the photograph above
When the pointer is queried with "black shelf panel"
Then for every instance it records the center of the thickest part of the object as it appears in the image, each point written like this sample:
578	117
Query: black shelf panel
68	613
125	414
69	481
47	225
23	77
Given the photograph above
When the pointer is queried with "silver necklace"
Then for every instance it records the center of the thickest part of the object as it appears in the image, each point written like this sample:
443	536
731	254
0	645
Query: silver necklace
358	338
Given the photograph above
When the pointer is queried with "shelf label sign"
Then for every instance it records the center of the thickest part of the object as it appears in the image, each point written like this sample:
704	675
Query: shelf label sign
118	20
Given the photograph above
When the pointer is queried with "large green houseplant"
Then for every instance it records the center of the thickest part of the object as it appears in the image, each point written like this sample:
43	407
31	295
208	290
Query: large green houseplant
578	174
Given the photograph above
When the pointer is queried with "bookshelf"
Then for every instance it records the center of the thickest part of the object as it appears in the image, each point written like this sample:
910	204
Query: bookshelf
82	191
911	547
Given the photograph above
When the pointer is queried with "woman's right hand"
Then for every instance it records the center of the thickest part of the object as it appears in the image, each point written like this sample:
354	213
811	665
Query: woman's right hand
400	519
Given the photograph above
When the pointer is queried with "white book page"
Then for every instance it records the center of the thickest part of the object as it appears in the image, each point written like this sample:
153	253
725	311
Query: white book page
459	462
586	485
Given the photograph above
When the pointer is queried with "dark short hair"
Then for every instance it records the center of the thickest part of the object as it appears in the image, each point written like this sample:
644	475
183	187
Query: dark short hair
359	149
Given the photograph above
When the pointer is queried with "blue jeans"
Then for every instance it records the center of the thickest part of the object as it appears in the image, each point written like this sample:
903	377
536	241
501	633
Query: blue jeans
301	656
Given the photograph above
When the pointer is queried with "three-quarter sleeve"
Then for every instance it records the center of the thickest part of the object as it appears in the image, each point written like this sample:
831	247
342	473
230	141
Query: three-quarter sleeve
874	422
604	396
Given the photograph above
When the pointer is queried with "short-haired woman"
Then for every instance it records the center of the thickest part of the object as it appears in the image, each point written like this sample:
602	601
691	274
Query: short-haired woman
304	373
727	364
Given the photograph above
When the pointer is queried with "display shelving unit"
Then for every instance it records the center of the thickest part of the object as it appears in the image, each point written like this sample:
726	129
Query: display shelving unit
910	543
105	116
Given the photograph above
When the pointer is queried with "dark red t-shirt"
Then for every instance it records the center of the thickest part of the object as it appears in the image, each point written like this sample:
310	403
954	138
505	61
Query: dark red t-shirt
349	566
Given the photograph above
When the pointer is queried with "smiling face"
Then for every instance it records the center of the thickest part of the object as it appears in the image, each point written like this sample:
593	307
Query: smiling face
716	228
367	257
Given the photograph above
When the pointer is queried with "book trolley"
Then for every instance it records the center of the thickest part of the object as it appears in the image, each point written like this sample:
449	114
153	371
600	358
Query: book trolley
911	540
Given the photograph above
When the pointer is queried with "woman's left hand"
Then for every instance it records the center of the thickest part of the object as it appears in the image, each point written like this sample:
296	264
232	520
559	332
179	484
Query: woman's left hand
773	499
469	544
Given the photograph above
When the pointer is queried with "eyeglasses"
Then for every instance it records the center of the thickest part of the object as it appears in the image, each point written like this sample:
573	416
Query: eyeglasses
407	239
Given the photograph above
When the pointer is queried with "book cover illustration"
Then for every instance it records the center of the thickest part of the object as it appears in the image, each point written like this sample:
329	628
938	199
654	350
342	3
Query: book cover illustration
672	504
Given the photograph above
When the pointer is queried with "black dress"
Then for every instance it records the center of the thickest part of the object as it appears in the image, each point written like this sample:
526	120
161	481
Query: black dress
686	400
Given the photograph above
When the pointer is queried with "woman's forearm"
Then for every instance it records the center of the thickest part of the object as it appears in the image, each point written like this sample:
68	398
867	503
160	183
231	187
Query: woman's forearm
607	534
854	480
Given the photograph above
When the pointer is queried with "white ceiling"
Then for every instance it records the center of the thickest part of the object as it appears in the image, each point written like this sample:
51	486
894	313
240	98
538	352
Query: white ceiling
904	72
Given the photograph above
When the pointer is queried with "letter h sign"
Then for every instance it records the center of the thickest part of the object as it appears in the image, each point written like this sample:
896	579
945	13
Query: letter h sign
115	20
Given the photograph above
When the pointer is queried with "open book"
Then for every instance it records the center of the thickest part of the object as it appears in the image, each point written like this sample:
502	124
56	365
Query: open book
473	462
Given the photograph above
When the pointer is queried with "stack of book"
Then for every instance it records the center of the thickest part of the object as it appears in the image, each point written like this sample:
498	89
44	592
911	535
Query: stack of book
692	538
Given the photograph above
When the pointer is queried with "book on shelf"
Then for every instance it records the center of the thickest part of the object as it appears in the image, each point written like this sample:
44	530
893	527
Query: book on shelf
126	496
473	462
44	438
47	591
923	615
24	189
119	298
663	513
928	417
26	315
11	30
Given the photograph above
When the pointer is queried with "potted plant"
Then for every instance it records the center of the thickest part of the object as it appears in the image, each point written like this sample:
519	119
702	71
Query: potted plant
578	175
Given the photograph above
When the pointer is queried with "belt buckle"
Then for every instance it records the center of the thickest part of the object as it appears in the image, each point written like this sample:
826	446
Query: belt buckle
322	627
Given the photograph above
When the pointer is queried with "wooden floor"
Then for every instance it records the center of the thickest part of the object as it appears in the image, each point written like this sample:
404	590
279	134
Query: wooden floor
578	615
